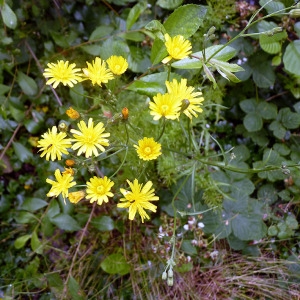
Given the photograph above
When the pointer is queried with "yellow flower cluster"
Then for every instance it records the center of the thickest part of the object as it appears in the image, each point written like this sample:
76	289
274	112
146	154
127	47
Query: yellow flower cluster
180	98
97	71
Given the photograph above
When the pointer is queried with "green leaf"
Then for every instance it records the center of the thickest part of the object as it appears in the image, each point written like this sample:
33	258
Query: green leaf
278	130
248	105
253	122
291	222
100	32
267	111
114	46
94	50
36	245
21	241
27	84
291	58
210	75
33	125
248	227
74	289
23	154
272	6
65	222
33	204
115	264
169	4
25	217
152	84
138	60
53	208
272	230
134	13
158	51
55	282
17	109
272	44
235	243
157	29
289	119
267	193
103	223
8	16
188	247
185	20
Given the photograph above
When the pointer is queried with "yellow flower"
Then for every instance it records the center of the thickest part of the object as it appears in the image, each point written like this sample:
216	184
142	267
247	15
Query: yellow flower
117	64
178	47
75	197
54	144
165	105
184	92
99	189
61	185
62	72
89	138
138	199
72	113
148	149
97	72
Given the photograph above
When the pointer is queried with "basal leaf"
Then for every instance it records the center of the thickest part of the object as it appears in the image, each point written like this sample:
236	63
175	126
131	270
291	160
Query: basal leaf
27	84
33	204
291	57
115	264
65	222
21	241
103	223
23	154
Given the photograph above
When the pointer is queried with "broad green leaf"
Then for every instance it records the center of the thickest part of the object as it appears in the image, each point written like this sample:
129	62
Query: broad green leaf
267	111
115	264
55	282
35	243
16	108
188	247
27	84
235	243
272	6
152	84
114	46
103	223
267	193
133	36
4	203
297	28
134	13
24	217
169	4
248	105
65	222
241	153
272	44
225	66
53	209
253	122
291	57
8	16
289	119
185	20
33	125
291	222
248	227
74	289
157	29
33	204
272	230
138	61
278	130
101	32
23	154
21	241
282	149
158	51
94	50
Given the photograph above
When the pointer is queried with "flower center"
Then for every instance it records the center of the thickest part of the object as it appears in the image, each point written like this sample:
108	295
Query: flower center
100	189
164	108
147	150
176	51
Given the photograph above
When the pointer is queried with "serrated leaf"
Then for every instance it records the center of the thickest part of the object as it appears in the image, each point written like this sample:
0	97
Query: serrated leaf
23	154
33	204
8	16
272	44
115	264
291	57
253	122
185	20
21	241
103	223
27	84
134	13
65	222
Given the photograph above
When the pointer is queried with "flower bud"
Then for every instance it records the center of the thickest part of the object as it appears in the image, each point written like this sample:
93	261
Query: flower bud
170	281
295	13
75	197
184	104
72	113
125	113
63	127
164	275
211	30
70	162
170	273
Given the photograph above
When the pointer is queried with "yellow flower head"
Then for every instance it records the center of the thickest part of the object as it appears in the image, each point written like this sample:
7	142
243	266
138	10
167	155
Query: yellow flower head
165	105
117	64
138	199
62	72
178	47
72	113
99	189
148	149
54	144
184	92
97	72
75	197
88	138
61	185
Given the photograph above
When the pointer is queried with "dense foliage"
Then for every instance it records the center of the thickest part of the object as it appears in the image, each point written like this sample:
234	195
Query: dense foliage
225	164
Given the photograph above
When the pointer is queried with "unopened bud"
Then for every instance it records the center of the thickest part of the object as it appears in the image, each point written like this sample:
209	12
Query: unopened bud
63	127
72	113
295	13
274	31
211	30
164	275
184	104
125	113
70	162
170	281
75	197
170	273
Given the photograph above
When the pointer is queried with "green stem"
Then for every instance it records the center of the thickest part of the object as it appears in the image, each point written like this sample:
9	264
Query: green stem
163	129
